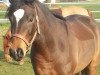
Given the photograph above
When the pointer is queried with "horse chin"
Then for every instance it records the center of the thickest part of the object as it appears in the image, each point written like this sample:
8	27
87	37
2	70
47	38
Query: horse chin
21	62
17	59
7	58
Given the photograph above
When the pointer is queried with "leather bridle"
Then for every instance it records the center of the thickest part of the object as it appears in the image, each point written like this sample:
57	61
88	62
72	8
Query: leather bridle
35	34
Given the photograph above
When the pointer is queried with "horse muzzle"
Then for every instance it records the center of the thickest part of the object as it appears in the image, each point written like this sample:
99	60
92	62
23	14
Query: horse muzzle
17	54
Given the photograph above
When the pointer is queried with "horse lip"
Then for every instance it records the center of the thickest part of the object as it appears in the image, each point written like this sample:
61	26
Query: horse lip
16	58
19	59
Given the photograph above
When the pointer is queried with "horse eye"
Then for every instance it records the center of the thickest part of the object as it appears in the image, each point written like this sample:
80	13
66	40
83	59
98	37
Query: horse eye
30	18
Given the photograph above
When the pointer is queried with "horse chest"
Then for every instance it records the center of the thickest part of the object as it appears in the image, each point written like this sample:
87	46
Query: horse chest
53	69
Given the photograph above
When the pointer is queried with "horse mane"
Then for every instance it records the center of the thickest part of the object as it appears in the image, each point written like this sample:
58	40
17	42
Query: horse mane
59	16
58	13
47	17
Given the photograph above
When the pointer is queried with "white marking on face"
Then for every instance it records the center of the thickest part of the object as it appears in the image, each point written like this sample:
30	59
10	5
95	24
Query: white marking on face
19	14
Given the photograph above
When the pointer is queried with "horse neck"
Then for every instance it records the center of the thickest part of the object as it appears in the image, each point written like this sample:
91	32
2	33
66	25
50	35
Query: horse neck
49	27
51	32
45	22
46	18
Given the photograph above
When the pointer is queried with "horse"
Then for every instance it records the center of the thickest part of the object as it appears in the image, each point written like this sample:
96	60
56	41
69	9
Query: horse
70	10
7	45
59	11
58	47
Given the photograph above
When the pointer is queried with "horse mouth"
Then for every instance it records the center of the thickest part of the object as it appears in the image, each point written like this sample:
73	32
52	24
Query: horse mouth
18	58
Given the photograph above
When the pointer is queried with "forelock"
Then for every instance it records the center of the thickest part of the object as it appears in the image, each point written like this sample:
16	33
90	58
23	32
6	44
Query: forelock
19	14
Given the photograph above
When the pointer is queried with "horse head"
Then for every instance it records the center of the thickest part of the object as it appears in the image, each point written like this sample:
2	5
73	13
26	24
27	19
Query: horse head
24	27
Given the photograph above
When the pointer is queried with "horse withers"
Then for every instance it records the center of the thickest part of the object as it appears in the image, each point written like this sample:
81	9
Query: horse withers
58	47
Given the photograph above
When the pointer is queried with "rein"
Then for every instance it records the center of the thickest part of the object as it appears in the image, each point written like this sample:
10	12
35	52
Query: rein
33	38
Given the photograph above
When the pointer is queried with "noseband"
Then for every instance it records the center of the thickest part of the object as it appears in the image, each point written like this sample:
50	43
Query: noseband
33	38
26	42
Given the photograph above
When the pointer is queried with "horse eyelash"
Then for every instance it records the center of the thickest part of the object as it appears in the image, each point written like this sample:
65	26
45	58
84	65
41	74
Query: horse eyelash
31	19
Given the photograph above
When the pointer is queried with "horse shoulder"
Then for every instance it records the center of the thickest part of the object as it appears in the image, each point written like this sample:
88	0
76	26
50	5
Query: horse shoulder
79	28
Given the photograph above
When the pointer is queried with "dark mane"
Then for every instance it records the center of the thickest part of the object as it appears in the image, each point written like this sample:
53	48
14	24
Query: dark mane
46	14
59	16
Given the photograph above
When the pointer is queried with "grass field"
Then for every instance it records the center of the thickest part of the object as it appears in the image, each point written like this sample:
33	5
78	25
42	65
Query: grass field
13	68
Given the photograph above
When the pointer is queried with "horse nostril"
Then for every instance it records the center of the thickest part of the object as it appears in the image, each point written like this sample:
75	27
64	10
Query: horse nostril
20	53
12	53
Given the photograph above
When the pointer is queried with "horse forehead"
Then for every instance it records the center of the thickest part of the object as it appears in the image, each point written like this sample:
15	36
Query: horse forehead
19	13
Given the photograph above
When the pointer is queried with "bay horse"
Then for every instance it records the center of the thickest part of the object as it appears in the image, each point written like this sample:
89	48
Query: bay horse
65	11
58	47
7	45
70	10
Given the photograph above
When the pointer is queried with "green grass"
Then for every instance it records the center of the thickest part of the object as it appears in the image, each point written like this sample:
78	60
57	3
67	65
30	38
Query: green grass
2	15
96	15
15	69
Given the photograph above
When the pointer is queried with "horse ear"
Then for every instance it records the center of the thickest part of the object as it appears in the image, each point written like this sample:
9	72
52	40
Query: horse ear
29	1
11	1
14	1
90	14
